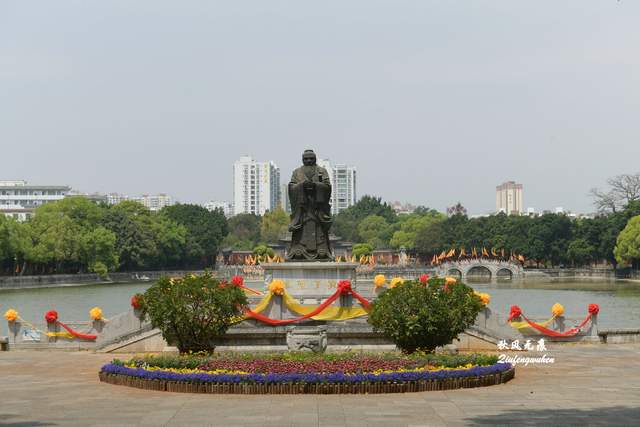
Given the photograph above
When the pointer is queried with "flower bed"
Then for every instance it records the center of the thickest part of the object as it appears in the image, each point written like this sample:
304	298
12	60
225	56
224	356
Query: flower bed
296	374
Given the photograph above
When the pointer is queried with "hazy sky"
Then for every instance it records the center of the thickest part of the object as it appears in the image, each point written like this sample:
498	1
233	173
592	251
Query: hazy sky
433	101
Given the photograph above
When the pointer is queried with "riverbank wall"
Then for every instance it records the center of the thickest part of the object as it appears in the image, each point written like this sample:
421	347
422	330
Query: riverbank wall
60	280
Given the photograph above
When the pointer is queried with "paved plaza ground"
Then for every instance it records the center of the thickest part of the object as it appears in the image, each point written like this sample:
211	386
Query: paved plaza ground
587	385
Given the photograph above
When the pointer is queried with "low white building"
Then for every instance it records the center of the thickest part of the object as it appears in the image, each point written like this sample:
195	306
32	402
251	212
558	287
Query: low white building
19	200
227	207
154	202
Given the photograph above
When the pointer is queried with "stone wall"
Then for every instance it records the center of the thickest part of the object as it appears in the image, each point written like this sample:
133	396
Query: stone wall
52	280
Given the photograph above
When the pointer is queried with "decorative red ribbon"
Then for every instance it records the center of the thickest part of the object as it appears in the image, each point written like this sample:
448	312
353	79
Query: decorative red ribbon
51	316
344	288
89	337
239	282
593	310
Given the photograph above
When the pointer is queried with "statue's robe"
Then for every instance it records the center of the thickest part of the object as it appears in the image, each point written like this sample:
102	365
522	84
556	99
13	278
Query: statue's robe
311	214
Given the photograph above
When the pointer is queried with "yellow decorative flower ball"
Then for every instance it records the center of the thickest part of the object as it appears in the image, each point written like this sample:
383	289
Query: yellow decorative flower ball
379	280
11	315
557	309
276	287
96	314
485	298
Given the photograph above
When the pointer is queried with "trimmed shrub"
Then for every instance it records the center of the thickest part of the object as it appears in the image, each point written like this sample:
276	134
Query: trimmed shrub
194	311
423	316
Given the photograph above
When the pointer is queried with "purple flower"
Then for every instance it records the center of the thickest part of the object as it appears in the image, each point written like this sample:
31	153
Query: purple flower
311	378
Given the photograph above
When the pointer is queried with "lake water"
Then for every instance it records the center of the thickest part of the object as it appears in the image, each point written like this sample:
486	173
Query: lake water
619	301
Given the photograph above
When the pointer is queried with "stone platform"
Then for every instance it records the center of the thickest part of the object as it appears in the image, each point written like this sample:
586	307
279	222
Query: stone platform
310	279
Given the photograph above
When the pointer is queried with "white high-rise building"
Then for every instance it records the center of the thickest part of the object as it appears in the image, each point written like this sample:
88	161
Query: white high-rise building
343	185
284	198
256	186
509	198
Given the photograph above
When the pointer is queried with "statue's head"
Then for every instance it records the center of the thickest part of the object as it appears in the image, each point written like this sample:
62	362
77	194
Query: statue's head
308	158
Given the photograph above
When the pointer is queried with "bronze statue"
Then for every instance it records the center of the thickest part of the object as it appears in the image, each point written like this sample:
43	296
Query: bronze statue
309	194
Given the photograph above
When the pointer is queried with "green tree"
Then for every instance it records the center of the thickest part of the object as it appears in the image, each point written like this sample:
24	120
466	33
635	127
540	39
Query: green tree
133	227
274	224
374	230
408	227
430	240
244	232
205	228
345	224
627	248
580	252
98	247
15	245
263	250
360	249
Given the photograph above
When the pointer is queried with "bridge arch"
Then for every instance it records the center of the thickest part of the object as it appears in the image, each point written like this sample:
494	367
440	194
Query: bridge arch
479	273
504	274
486	269
455	272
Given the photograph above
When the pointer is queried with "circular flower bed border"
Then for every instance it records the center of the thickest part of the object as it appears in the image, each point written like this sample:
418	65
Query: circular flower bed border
392	382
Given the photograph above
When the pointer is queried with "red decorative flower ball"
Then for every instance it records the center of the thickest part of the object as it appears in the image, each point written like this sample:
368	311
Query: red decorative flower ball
135	302
237	280
51	316
344	286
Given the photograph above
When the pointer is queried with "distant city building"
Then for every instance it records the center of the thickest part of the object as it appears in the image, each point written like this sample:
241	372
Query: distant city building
343	185
559	210
18	200
93	197
115	198
401	208
509	198
256	186
226	207
531	212
284	198
154	202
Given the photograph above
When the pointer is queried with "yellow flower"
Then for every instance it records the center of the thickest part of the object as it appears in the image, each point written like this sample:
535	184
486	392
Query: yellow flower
96	313
11	315
396	281
276	287
450	280
557	309
379	280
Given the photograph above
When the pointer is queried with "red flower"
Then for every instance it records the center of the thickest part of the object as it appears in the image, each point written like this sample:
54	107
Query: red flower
424	278
51	316
237	280
594	309
135	303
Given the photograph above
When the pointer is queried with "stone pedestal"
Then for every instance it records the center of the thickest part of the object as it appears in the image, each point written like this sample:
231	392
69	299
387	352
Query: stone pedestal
311	280
309	283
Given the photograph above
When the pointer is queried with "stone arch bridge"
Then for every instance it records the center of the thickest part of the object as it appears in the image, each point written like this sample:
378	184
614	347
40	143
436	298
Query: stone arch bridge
491	269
